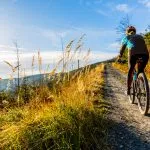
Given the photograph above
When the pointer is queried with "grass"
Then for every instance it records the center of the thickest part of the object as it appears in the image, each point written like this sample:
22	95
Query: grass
124	68
61	116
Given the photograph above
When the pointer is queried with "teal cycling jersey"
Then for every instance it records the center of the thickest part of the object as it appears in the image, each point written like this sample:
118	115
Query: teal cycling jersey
130	40
127	42
135	44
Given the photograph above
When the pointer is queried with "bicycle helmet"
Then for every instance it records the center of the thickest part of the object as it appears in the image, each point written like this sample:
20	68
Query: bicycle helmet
130	30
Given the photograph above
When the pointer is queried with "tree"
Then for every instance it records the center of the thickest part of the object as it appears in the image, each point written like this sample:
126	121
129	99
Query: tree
147	36
124	23
120	30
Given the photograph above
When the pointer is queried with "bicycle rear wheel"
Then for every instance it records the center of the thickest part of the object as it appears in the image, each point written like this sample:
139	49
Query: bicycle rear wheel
143	93
132	93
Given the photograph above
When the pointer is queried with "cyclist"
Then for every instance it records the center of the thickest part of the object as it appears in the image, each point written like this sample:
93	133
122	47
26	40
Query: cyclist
136	48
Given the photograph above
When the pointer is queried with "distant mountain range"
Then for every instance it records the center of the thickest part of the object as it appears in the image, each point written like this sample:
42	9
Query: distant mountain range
7	84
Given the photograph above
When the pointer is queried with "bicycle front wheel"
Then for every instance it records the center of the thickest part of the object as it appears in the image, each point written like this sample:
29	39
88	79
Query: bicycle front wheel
143	93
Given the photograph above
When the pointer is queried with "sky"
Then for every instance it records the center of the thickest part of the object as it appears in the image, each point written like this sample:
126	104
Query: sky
42	25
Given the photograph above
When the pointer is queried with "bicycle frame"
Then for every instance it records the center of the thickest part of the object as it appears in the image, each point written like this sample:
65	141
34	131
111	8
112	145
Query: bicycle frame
136	92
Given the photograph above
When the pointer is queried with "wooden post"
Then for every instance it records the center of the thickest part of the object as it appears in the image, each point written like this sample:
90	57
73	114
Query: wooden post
78	63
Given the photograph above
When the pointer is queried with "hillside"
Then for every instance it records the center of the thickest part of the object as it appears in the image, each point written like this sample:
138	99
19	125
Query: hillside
87	112
67	115
82	109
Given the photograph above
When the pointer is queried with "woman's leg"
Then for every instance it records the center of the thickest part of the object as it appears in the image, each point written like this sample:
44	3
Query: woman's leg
141	66
131	65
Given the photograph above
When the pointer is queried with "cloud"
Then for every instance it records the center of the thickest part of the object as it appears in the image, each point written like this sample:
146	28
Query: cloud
95	32
7	31
146	3
115	45
49	58
53	35
5	48
75	33
101	56
102	12
123	8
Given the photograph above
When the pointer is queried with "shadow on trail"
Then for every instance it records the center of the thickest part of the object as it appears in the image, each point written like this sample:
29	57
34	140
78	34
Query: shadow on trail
120	134
148	115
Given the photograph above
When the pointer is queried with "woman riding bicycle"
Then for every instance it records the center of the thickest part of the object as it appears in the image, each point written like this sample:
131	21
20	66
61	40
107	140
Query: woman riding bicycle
136	49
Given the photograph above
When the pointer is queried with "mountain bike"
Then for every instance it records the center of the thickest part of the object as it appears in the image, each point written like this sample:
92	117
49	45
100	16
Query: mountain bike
140	90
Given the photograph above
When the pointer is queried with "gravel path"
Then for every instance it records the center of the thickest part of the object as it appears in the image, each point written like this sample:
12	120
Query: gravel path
130	130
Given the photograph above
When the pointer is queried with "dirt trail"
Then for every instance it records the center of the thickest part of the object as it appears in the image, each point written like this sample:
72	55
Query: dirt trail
131	130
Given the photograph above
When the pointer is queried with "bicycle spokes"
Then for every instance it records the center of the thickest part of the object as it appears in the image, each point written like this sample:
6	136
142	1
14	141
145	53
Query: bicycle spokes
132	93
143	93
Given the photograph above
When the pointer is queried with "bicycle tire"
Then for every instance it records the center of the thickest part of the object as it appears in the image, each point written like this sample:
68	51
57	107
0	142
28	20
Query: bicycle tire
132	93
142	79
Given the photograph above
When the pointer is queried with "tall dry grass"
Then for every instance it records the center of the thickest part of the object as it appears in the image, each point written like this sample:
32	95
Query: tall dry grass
64	120
62	115
124	68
